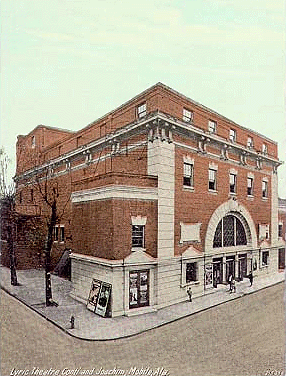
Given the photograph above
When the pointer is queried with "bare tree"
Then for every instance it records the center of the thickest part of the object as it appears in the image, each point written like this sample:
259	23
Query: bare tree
7	196
6	188
49	190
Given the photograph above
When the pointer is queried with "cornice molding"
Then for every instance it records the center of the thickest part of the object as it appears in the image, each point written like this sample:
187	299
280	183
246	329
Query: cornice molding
115	192
158	126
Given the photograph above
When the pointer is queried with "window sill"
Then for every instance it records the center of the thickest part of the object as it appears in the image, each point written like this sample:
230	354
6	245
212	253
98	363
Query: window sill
213	191
135	249
192	283
264	198
187	284
188	188
264	266
250	197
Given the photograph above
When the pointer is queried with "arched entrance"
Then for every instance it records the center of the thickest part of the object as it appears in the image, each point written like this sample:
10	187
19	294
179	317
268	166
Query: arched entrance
230	237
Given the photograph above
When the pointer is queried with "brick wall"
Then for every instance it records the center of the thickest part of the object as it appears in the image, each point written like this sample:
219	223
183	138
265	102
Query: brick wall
102	228
198	205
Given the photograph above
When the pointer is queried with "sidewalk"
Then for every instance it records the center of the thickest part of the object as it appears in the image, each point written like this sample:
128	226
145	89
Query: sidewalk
90	326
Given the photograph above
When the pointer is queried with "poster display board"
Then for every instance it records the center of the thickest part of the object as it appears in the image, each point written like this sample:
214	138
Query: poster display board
103	299
99	296
138	288
208	275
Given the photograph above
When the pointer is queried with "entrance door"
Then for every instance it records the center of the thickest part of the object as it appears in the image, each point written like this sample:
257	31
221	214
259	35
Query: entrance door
281	258
217	271
139	288
242	266
230	267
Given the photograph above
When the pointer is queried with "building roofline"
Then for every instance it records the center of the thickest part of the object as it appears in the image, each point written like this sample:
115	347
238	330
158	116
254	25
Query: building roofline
214	112
137	96
150	89
63	130
134	128
168	88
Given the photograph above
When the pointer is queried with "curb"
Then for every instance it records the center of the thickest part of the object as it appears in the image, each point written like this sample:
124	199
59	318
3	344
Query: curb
67	331
34	310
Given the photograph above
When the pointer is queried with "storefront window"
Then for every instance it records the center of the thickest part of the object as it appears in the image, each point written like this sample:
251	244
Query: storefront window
191	272
265	257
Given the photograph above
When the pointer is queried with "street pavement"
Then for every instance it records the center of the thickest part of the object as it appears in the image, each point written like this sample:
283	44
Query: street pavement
243	337
88	325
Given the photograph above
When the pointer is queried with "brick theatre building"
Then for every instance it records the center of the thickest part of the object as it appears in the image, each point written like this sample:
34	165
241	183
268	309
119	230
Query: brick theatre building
159	195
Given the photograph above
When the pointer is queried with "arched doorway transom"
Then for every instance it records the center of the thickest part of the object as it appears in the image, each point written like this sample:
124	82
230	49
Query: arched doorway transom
230	225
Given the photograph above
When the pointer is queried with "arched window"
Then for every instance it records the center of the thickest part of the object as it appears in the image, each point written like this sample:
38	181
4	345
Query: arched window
229	232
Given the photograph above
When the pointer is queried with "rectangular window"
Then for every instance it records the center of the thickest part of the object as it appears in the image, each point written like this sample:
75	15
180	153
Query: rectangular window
138	236
250	186
267	232
62	234
264	149
188	115
191	272
59	233
250	143
280	230
188	174
212	126
33	142
141	110
265	258
263	231
78	141
212	179
232	183
56	234
264	189
232	135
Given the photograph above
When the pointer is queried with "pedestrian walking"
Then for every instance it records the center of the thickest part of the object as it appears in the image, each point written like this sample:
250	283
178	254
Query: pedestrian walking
72	322
250	276
230	279
190	293
233	285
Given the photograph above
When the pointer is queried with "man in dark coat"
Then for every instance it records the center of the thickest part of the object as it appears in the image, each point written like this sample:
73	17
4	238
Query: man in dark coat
250	276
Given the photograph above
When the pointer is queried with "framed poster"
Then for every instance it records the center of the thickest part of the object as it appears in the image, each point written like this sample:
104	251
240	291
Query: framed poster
133	290
208	275
93	294
138	288
103	299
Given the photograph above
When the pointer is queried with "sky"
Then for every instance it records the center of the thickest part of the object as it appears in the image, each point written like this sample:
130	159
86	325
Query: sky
65	63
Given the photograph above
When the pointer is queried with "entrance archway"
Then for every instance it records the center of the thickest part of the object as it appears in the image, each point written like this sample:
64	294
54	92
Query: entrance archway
231	208
230	234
